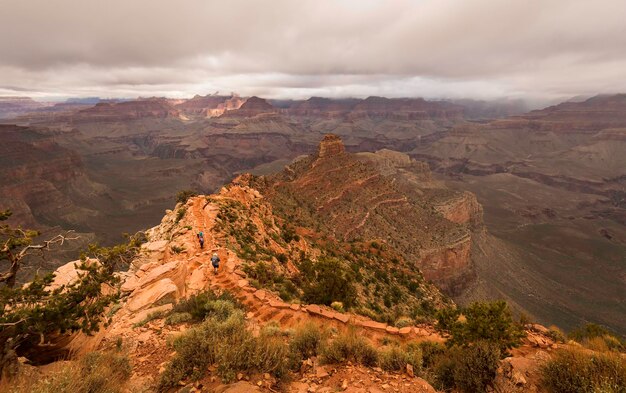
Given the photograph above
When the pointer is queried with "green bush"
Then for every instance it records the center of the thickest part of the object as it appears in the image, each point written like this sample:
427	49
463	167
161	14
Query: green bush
151	317
328	281
476	367
184	195
223	339
180	213
469	369
178	317
590	333
395	358
307	341
573	370
207	303
430	352
556	334
488	321
349	346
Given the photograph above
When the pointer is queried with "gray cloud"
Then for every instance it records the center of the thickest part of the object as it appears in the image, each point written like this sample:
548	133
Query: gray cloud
432	48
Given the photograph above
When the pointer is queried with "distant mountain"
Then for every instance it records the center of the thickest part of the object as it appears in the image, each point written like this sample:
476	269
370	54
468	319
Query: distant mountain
14	106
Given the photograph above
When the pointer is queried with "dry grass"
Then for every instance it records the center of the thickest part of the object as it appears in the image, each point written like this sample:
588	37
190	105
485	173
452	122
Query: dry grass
94	373
577	370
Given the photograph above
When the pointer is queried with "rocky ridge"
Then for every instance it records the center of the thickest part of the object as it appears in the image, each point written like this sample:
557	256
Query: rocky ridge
160	276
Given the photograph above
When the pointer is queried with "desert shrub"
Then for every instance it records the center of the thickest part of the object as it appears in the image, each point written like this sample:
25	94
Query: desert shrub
556	334
337	306
150	317
180	213
223	339
469	369
597	337
272	329
184	195
395	358
207	303
430	352
573	370
307	340
488	321
350	347
178	317
404	322
177	249
476	367
96	372
328	280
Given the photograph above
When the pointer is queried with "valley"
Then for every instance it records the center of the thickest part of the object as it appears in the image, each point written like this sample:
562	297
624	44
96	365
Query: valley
546	229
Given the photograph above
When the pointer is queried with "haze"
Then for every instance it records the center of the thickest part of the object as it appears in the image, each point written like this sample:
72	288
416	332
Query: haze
541	50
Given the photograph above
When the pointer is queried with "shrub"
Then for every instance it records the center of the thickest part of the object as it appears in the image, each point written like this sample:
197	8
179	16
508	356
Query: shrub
430	351
184	195
307	340
476	367
350	347
404	322
180	213
396	358
597	337
489	321
573	370
337	306
556	334
96	372
329	281
152	316
207	303
177	249
469	369
222	339
178	317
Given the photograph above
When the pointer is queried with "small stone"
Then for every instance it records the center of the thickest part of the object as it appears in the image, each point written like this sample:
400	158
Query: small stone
344	384
409	370
267	376
260	383
239	376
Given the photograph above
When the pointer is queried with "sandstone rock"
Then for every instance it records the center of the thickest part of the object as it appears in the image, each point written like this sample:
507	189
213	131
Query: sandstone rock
342	317
392	330
260	294
373	325
295	307
67	274
405	330
160	292
409	370
278	304
169	270
144	314
331	145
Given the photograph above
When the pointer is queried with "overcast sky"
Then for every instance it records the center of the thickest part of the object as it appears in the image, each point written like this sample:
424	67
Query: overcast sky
540	49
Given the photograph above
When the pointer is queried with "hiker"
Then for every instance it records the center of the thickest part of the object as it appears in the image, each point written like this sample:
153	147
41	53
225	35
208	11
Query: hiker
201	239
215	261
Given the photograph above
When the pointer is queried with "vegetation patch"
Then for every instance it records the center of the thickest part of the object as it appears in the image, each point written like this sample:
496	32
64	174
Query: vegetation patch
574	370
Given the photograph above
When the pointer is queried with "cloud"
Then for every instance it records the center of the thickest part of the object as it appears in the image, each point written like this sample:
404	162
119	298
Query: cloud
432	48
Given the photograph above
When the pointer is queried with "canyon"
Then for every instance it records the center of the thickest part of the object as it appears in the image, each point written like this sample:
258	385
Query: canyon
534	202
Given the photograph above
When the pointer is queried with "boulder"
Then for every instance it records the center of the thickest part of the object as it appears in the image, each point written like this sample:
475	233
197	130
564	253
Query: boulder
161	292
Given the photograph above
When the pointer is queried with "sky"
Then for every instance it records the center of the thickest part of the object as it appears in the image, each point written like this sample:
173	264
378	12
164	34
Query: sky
483	49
